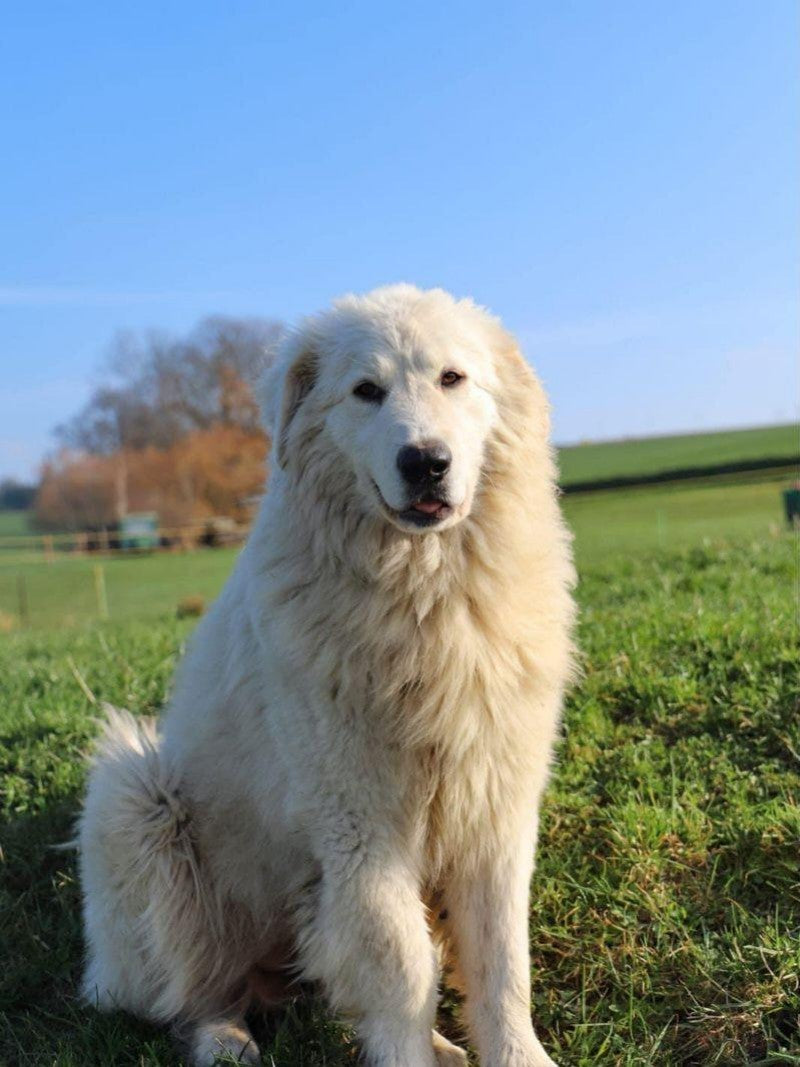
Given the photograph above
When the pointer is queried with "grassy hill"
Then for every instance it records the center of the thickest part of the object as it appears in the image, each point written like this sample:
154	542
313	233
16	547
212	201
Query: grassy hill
651	455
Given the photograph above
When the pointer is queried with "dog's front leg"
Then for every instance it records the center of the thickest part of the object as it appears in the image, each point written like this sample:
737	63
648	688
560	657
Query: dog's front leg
367	940
487	905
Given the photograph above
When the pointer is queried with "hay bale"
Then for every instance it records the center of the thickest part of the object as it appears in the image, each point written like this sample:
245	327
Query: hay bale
191	607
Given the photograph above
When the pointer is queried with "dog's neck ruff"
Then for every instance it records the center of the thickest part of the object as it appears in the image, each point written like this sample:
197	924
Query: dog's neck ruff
383	615
333	536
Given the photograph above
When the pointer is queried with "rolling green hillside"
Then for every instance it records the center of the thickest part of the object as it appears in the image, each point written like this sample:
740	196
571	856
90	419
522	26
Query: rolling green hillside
651	455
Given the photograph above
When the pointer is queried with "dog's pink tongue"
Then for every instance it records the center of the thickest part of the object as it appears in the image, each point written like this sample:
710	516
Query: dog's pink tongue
427	507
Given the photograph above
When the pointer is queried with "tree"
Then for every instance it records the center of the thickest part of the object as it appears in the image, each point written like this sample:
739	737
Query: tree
161	389
210	472
77	492
174	429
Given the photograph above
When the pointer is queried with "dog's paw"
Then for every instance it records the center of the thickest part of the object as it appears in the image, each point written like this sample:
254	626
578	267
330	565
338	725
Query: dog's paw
542	1060
521	1053
221	1042
536	1058
447	1054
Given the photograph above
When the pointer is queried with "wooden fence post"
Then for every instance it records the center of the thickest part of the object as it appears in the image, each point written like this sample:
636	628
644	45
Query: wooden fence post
100	590
22	599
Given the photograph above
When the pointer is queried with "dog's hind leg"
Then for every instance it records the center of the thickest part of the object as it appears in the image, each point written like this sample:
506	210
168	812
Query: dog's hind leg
149	916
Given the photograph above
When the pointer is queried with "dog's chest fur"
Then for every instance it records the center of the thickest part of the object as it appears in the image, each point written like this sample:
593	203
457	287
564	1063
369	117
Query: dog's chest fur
447	688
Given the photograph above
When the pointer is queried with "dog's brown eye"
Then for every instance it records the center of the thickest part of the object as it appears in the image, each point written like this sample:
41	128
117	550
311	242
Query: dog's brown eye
369	391
451	377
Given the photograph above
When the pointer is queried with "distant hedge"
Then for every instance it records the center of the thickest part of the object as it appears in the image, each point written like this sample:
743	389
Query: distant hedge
776	463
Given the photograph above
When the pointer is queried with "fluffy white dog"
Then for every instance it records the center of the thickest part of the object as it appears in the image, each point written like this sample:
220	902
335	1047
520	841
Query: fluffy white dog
345	783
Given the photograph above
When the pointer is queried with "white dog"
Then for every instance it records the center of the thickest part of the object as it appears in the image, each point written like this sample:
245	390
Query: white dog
346	781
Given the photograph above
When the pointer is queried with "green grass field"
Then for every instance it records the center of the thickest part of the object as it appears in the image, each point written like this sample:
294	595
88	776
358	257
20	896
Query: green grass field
672	516
137	587
610	459
665	921
605	523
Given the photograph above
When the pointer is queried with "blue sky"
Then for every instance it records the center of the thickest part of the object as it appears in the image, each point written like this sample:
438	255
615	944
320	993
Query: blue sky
616	179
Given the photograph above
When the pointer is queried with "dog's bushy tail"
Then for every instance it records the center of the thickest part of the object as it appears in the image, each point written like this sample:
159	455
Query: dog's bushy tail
149	919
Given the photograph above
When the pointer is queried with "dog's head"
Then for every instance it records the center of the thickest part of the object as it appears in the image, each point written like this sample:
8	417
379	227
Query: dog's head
400	389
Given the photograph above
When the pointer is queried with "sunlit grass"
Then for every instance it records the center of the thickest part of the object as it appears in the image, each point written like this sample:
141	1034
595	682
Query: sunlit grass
666	909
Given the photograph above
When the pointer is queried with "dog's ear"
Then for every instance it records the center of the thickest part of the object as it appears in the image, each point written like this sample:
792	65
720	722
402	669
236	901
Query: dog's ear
298	381
522	392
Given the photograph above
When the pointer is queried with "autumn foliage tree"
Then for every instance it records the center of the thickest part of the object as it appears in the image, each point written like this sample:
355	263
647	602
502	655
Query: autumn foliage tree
76	492
175	429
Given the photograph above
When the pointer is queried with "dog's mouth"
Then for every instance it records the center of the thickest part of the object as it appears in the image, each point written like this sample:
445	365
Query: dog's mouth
428	510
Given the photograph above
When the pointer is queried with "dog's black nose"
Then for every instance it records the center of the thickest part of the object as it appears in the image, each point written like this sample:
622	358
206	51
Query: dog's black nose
423	465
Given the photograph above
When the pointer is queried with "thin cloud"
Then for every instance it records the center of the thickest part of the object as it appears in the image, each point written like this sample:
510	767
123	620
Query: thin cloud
591	333
72	296
766	315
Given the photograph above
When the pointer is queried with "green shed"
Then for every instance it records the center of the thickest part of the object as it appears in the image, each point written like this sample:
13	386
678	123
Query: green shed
139	530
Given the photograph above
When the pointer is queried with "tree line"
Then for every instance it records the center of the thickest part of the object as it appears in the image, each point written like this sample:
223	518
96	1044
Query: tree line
173	428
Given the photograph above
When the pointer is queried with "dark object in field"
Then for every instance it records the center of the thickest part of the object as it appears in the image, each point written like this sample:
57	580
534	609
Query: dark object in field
791	504
222	530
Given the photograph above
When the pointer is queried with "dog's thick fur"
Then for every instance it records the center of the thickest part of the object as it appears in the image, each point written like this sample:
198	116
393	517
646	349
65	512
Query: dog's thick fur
345	783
